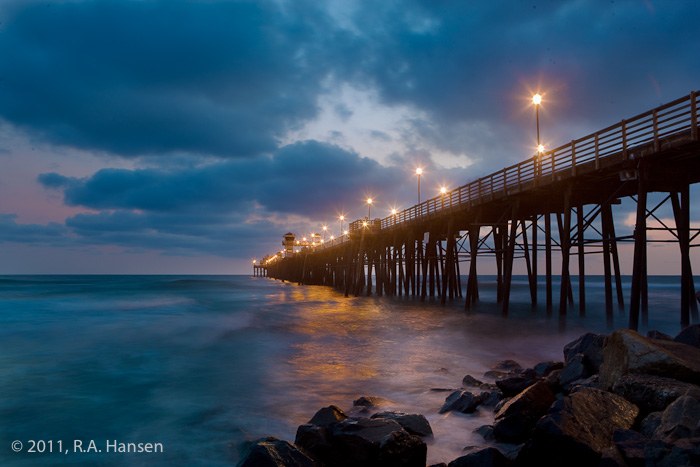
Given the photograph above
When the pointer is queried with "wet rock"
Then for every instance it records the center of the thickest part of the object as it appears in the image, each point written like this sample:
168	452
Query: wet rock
400	449
484	457
690	335
577	428
500	405
370	402
470	381
328	415
461	401
658	335
486	431
495	374
611	457
517	418
650	423
517	382
272	452
631	446
506	366
651	393
414	423
590	382
681	419
591	346
626	352
552	381
683	452
543	369
491	398
575	369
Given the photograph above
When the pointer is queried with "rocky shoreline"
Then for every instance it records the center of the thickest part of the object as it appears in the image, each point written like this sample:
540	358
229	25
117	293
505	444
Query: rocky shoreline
618	400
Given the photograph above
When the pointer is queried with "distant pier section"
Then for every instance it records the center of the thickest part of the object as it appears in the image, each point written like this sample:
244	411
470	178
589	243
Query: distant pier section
557	204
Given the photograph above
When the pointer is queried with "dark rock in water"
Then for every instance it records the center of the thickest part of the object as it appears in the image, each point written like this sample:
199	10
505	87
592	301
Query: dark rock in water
627	351
506	365
461	401
500	405
414	423
517	418
495	374
370	401
543	369
590	382
327	415
470	381
577	428
684	452
363	441
658	335
517	382
552	381
591	346
491	398
611	457
442	389
575	369
314	439
651	393
681	419
631	446
485	457
650	423
272	452
486	431
690	335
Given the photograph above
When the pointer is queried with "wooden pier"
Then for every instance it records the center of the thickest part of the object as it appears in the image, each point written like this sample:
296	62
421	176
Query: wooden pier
559	202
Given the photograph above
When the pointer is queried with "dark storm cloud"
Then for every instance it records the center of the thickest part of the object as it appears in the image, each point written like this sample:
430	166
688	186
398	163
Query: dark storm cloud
148	77
50	234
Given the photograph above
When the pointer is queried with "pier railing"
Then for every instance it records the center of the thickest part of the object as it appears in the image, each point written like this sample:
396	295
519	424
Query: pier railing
594	150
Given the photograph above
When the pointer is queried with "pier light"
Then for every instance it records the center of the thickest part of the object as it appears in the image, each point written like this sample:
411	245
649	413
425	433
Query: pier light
345	232
419	171
443	190
255	261
325	227
332	237
540	149
537	100
364	223
369	208
393	212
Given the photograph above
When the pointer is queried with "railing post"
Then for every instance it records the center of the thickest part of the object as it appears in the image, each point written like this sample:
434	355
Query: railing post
656	131
573	158
694	115
624	139
597	155
520	183
552	165
505	176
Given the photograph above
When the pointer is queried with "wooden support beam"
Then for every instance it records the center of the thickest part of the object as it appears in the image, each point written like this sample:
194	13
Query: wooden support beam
640	240
605	221
548	260
509	257
581	261
448	269
565	242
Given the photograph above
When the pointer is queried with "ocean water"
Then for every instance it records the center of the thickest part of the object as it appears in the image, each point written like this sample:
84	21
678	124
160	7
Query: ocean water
200	364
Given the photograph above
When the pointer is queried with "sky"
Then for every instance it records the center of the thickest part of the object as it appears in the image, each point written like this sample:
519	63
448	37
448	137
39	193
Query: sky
174	137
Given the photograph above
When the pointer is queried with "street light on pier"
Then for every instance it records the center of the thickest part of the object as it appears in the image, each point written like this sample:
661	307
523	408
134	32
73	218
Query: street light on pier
325	227
443	191
419	171
393	213
369	208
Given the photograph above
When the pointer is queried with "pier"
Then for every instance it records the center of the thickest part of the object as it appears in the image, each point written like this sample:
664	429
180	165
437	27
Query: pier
559	201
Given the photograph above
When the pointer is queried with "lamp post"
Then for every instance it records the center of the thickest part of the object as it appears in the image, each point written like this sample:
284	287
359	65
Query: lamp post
393	213
443	190
369	208
419	171
342	217
325	227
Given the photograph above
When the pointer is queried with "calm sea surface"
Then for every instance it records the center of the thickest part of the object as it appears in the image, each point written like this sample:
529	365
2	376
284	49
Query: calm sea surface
201	364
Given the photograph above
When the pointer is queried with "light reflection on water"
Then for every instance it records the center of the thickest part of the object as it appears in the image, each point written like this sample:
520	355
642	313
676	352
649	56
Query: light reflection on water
202	364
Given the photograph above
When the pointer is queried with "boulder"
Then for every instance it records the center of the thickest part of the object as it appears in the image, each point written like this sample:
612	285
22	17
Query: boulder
627	351
543	369
631	446
591	346
370	402
651	393
552	381
575	369
658	335
272	452
491	398
685	451
486	432
506	366
590	382
577	428
484	457
517	418
470	381
327	415
611	457
414	423
516	382
690	335
681	419
461	401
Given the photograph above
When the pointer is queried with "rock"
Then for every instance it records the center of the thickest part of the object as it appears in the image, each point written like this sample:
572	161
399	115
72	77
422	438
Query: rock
631	446
626	352
552	381
690	335
577	428
611	457
490	398
327	415
681	419
272	452
517	382
650	423
486	431
470	381
500	405
517	418
370	401
575	369
461	401
658	335
590	382
651	393
363	441
441	464
415	424
591	346
495	374
683	452
543	369
485	457
506	365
